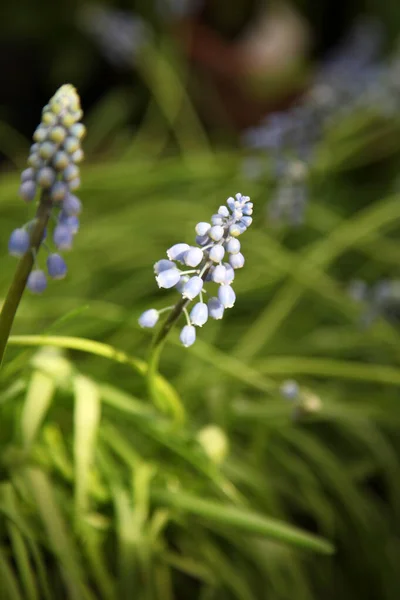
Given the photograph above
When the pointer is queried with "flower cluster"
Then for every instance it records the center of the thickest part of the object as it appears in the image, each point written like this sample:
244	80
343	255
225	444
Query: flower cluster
351	78
213	259
53	169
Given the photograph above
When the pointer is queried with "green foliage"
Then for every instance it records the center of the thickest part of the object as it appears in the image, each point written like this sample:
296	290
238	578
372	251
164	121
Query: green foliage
102	494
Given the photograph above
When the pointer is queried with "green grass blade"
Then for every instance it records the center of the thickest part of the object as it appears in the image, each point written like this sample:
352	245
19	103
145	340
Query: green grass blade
105	351
243	519
58	536
8	579
86	425
38	399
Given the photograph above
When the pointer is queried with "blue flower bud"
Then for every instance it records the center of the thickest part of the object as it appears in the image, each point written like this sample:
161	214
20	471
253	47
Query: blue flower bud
229	274
77	156
202	228
78	130
149	318
193	287
72	205
27	175
237	214
71	144
188	335
27	190
216	233
19	242
57	134
247	221
163	265
58	191
46	177
217	253
223	211
177	252
219	274
37	281
168	278
63	237
215	308
35	161
199	314
70	172
74	184
231	203
202	240
47	150
49	118
233	246
236	260
290	389
56	267
193	257
217	220
71	222
226	296
247	210
61	160
40	134
236	229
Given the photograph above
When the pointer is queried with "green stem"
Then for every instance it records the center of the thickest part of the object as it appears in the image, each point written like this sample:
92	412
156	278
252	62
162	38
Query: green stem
158	344
155	352
22	272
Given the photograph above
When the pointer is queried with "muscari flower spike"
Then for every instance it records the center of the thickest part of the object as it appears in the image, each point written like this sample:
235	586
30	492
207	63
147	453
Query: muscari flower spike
53	169
212	260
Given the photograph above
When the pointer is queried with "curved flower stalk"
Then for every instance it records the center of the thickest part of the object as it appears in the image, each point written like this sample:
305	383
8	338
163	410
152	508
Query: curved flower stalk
190	269
52	172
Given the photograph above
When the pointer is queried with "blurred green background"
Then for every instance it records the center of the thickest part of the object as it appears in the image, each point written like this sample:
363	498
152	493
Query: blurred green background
248	495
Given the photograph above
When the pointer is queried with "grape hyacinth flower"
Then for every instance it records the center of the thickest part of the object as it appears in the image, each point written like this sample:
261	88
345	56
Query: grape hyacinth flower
53	169
351	78
52	176
191	269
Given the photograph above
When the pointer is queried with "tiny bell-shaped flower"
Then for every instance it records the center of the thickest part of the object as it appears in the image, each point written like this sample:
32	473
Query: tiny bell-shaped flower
229	274
63	237
27	189
19	242
226	296
37	281
216	233
219	274
236	260
193	257
72	205
233	246
168	278
193	287
199	314
163	265
177	252
56	267
217	253
149	318
188	336
202	228
215	308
